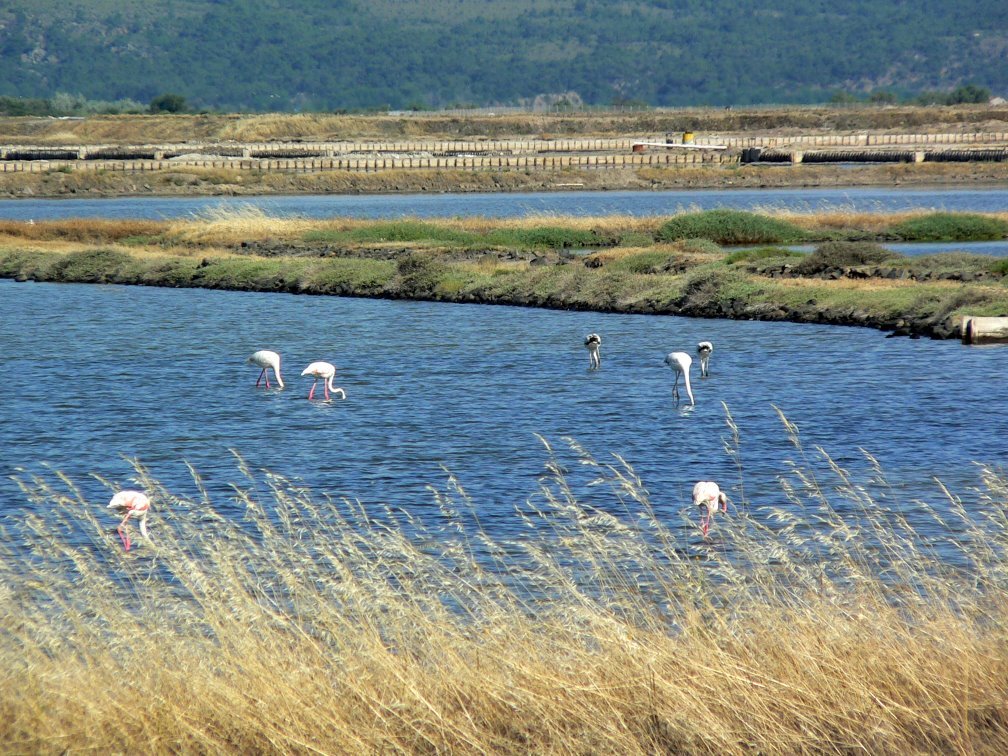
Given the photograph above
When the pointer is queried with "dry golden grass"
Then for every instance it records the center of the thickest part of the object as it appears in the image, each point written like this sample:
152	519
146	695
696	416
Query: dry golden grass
827	624
139	129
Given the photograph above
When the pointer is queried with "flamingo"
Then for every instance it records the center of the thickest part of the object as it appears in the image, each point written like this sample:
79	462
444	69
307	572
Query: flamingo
680	362
131	503
704	349
267	360
592	343
325	371
709	498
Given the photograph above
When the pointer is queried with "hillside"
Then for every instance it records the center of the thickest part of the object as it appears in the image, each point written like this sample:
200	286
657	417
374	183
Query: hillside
344	54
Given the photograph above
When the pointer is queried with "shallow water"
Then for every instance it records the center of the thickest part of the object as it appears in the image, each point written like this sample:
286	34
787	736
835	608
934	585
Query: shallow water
98	373
507	205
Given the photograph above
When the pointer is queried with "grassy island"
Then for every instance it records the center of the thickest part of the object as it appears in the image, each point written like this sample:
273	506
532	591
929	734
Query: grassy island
718	263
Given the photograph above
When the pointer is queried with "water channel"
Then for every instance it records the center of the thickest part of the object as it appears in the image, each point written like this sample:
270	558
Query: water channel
97	373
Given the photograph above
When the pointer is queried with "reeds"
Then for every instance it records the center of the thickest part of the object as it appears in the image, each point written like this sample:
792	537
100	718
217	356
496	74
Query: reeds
842	619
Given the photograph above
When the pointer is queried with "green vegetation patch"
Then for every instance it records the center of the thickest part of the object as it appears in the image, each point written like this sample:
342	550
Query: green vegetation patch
548	237
951	227
92	266
762	254
730	227
832	255
348	275
396	231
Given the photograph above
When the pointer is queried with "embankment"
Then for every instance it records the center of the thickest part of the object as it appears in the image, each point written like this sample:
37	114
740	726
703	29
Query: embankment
678	279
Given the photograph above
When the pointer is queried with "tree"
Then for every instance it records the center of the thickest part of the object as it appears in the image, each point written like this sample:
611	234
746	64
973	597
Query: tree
168	103
968	93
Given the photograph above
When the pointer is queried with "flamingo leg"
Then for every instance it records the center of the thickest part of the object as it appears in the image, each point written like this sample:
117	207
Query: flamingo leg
311	393
123	532
261	377
267	377
325	386
705	524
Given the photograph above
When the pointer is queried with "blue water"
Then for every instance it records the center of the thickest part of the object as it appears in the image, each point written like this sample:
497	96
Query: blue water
507	205
97	373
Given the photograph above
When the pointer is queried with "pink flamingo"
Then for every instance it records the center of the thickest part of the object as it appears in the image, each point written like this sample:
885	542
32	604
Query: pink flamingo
709	497
680	363
267	360
325	371
131	503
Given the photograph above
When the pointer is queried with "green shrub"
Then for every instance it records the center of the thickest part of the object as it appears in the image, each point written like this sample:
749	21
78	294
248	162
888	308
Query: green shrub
350	274
1000	268
832	255
635	239
761	253
407	231
420	274
699	247
548	237
951	227
93	266
644	262
710	284
730	227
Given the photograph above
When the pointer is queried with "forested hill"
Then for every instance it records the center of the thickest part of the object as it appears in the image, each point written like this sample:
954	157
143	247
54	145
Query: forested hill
350	54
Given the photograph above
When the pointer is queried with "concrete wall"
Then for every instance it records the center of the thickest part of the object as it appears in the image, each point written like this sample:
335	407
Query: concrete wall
390	162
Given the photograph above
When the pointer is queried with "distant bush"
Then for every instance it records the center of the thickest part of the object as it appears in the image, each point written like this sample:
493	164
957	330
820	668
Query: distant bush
951	227
420	274
730	227
169	103
405	231
710	284
760	253
699	247
548	237
93	266
830	255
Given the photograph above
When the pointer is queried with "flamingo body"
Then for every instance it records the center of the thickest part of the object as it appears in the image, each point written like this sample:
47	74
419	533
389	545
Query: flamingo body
267	360
709	498
592	343
680	363
130	504
323	371
704	349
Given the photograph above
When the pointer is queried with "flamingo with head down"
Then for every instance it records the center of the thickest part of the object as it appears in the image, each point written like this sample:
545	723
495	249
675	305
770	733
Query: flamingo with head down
130	504
324	371
592	343
709	497
267	360
680	363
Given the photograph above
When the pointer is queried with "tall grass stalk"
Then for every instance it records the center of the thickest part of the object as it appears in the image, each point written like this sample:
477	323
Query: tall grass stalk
303	623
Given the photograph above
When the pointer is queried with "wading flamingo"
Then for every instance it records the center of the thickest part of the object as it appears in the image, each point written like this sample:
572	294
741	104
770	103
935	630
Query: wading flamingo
709	498
704	349
592	343
325	371
680	363
267	360
130	503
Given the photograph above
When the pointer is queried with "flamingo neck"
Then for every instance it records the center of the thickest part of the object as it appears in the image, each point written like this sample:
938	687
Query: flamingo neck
689	391
276	372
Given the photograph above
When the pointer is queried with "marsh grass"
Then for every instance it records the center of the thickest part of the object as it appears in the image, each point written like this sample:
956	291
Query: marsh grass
731	227
826	623
951	227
